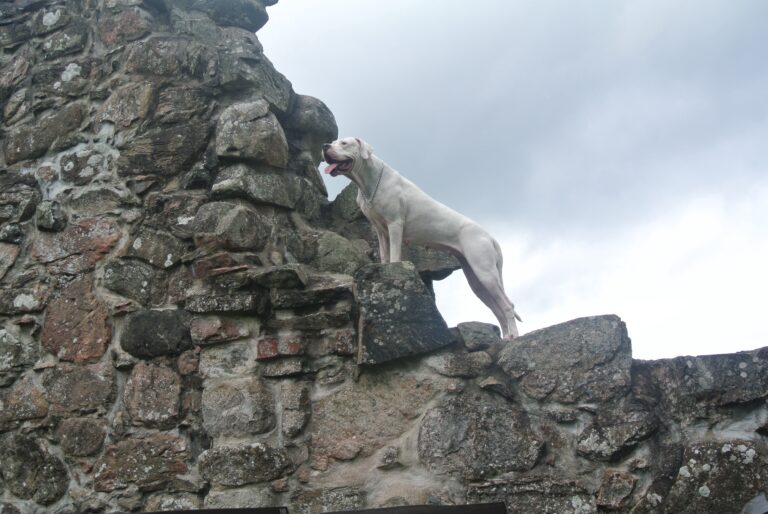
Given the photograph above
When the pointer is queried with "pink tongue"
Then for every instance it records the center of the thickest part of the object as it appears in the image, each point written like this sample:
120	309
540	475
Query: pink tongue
331	167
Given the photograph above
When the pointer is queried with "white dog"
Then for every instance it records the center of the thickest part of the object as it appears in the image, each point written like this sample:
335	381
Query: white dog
401	212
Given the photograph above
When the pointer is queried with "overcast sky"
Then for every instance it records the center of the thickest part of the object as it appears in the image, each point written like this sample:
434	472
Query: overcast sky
618	150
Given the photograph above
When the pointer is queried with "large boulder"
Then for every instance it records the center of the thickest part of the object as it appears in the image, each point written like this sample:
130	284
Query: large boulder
583	360
249	131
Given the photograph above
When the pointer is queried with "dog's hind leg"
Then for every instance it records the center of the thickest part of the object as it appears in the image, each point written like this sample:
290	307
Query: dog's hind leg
483	264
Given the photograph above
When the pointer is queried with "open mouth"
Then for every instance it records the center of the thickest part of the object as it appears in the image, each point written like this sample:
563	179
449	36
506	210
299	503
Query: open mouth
336	167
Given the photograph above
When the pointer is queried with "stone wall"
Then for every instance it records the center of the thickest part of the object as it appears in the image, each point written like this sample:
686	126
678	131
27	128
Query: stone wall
186	321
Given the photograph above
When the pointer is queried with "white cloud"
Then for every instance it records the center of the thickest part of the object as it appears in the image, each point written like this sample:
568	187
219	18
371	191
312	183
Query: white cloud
690	281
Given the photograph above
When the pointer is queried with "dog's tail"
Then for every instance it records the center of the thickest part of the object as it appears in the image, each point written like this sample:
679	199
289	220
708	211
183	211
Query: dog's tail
499	265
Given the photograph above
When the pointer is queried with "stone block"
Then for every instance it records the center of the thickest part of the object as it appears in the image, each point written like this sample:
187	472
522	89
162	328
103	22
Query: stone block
30	471
238	408
158	248
82	437
152	333
21	402
136	280
243	464
77	388
164	151
149	462
476	436
478	336
31	141
215	329
81	244
583	360
18	352
249	131
536	493
615	432
229	226
77	326
169	56
398	316
152	396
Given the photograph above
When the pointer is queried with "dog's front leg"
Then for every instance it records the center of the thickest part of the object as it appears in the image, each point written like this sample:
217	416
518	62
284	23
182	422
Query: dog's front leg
383	236
395	241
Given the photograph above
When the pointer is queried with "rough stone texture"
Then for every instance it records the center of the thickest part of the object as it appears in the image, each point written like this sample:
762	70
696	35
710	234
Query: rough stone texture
616	432
18	351
250	132
238	408
159	249
477	436
148	334
229	226
243	464
74	388
584	360
30	471
82	437
398	316
535	494
180	325
76	326
152	396
148	462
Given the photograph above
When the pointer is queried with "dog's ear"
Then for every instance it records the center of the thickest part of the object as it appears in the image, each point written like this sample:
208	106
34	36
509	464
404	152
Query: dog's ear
366	150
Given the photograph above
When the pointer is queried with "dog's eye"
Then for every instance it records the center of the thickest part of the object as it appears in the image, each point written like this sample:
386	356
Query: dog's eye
343	143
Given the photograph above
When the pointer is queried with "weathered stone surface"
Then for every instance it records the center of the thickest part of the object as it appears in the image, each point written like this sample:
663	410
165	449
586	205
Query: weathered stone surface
34	140
615	432
314	322
136	280
328	499
255	496
18	203
285	345
74	388
225	303
128	104
163	152
30	471
243	464
172	57
477	437
356	421
100	199
587	359
151	333
174	212
49	20
478	336
535	494
22	401
70	40
123	26
50	216
616	486
295	400
250	132
152	396
8	255
460	363
321	289
23	300
158	248
309	125
238	408
247	14
233	359
336	254
229	226
18	352
260	187
80	246
81	167
173	502
718	476
398	316
215	329
685	385
82	437
149	462
178	104
77	326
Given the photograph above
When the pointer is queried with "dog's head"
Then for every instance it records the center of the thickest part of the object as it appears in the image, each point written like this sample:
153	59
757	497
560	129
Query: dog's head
343	154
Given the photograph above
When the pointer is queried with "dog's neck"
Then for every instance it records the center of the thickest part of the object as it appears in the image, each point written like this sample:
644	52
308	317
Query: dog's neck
366	174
